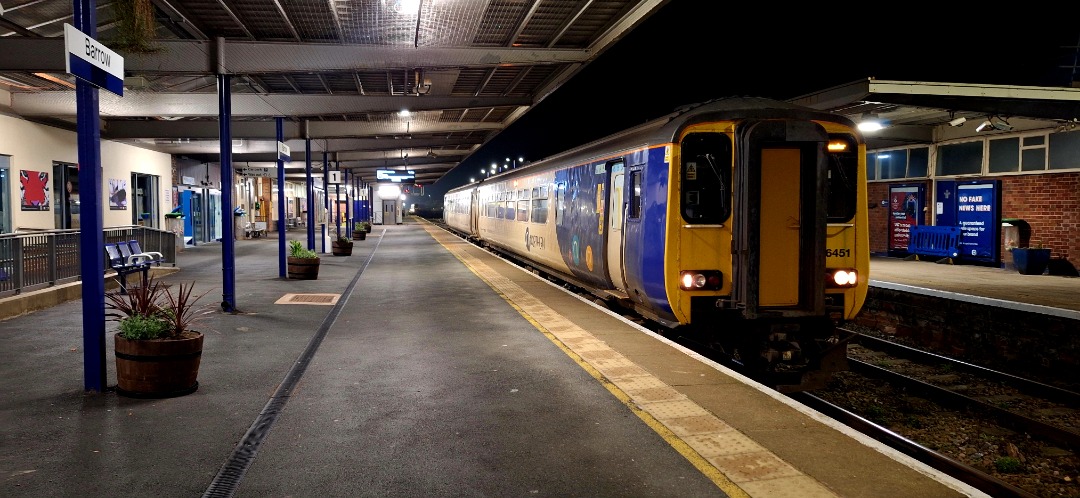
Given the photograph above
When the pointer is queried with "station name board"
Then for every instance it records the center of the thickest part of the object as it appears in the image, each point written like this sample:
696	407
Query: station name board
389	175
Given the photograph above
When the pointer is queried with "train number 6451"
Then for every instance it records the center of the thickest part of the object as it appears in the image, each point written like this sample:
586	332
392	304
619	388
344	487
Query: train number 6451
837	253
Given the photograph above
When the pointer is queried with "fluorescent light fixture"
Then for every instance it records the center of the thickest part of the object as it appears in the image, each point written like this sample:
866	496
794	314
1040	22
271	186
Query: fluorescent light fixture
870	125
958	121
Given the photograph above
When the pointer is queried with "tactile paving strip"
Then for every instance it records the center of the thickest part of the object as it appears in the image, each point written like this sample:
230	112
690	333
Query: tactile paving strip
756	471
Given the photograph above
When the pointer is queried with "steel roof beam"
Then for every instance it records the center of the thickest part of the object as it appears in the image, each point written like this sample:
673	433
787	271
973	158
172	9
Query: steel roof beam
140	104
246	57
125	129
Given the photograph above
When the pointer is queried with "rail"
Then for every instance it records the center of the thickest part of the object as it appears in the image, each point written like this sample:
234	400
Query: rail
33	260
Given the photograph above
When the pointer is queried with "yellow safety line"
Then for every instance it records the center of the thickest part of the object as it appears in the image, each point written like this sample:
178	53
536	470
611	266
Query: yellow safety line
485	273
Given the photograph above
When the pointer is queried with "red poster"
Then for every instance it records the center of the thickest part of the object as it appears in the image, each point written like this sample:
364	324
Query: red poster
903	209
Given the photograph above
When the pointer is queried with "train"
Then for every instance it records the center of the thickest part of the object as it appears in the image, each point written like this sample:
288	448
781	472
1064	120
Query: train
739	223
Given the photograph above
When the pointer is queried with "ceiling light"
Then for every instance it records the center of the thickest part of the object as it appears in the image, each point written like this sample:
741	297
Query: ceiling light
870	122
958	121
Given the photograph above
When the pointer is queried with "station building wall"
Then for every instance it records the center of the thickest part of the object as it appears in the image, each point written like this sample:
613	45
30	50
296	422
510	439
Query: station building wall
35	147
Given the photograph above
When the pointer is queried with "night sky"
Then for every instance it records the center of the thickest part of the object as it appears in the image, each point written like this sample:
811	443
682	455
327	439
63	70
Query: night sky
684	54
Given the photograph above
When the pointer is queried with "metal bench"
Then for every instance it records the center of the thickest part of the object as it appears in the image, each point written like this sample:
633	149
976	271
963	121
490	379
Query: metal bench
121	260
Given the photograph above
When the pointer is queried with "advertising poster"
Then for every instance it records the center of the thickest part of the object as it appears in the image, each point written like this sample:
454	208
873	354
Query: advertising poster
904	210
35	190
118	195
979	219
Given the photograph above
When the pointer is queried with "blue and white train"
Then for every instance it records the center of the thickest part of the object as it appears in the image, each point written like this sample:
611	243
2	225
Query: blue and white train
741	220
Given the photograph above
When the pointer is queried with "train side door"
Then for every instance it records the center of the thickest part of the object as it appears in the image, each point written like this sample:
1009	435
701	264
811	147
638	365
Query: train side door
474	212
616	213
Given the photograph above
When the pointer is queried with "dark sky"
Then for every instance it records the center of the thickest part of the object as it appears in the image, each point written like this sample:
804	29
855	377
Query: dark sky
685	53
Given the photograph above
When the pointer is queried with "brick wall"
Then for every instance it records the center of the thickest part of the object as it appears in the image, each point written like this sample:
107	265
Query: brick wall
1049	203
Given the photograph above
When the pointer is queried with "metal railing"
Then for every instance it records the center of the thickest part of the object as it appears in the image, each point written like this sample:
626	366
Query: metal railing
37	259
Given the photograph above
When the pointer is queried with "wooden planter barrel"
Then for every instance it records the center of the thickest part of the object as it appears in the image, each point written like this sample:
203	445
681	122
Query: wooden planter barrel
338	248
359	234
302	268
158	368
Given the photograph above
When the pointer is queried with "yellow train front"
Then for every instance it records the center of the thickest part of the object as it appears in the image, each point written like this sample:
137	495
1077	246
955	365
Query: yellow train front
740	221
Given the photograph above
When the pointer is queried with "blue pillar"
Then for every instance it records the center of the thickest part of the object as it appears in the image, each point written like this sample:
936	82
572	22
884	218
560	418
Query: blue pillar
91	234
326	197
337	203
281	201
310	188
228	219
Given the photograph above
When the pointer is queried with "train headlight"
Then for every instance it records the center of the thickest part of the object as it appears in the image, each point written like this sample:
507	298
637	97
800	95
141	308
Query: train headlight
701	280
842	277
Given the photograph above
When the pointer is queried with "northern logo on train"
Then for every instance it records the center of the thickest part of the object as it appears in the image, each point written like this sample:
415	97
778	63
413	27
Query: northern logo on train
533	240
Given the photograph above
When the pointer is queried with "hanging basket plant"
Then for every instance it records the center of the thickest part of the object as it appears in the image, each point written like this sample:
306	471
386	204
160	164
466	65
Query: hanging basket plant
134	31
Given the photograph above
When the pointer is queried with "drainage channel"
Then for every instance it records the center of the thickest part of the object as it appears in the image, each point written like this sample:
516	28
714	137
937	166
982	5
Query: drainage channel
228	478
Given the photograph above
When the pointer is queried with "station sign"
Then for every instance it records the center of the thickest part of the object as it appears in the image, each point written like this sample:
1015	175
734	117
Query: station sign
257	171
283	153
93	62
392	176
334	177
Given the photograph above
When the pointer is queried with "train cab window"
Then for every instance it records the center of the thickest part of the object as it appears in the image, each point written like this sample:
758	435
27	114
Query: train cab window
635	194
842	182
706	178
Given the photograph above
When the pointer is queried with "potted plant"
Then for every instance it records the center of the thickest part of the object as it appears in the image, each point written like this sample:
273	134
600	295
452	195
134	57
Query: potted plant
157	352
302	264
1031	260
360	230
342	246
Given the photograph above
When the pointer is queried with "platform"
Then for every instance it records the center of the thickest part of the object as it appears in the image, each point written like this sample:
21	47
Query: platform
432	369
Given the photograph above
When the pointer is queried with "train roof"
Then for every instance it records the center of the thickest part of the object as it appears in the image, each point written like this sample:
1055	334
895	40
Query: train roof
664	129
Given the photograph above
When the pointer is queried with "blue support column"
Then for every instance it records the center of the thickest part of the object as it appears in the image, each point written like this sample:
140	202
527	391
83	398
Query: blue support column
310	188
228	220
326	197
91	234
281	201
337	203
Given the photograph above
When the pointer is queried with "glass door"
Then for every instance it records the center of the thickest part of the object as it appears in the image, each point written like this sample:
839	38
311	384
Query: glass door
5	191
144	203
65	195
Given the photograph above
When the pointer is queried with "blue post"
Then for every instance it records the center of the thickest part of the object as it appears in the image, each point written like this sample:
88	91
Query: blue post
281	201
91	235
337	203
310	189
228	242
326	196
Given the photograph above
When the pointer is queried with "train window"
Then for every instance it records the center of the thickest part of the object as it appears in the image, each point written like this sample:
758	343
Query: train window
706	178
539	210
842	182
635	194
510	212
523	210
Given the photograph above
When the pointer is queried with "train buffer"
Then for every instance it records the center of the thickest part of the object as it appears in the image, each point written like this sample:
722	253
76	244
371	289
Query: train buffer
930	241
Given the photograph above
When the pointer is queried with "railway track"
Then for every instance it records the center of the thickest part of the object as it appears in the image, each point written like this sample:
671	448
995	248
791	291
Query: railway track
1001	433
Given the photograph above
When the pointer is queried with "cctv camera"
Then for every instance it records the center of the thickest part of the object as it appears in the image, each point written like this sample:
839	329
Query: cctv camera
958	121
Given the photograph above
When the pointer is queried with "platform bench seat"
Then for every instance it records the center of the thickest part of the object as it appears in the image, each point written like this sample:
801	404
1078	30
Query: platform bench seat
124	262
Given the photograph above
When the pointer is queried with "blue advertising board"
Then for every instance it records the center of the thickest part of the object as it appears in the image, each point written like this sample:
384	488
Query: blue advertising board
978	214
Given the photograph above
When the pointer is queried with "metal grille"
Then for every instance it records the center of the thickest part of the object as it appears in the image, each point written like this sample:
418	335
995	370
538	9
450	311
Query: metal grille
313	299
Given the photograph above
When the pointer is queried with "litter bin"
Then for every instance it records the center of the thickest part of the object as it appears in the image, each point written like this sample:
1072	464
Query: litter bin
1017	233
